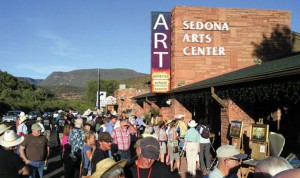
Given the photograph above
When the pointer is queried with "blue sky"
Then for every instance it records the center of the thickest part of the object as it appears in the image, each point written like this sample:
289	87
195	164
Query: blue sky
39	37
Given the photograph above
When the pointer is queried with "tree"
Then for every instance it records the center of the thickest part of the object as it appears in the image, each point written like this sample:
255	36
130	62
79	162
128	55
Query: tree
280	43
110	86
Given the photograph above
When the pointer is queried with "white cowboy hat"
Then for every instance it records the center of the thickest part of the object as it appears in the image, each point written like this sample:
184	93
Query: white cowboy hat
22	117
106	164
10	139
3	128
87	112
192	123
114	113
180	116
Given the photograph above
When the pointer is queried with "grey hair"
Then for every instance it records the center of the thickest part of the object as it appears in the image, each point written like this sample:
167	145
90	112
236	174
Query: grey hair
272	165
114	172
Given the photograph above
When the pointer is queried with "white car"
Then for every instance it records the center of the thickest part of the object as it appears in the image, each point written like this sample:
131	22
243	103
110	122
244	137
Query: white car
11	116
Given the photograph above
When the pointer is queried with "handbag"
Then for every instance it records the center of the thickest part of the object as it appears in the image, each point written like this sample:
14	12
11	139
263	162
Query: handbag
175	149
84	172
175	146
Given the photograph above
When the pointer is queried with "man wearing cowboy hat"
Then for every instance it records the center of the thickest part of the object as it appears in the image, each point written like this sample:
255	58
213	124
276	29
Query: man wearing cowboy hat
108	167
35	150
3	128
192	147
22	128
11	165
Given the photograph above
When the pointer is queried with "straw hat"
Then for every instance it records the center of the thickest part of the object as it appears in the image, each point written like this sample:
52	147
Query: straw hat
180	116
10	139
3	128
87	112
106	164
22	117
39	119
114	113
169	121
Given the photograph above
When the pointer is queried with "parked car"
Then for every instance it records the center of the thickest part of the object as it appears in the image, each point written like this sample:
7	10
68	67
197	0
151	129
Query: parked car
48	114
32	115
11	116
75	113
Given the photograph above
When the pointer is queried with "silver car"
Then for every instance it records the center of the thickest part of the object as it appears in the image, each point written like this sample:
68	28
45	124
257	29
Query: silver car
11	116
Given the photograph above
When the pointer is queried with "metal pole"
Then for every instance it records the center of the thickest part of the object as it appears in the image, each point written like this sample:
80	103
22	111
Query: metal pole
98	92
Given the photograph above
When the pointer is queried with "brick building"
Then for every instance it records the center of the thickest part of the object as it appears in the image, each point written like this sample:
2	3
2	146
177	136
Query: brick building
216	56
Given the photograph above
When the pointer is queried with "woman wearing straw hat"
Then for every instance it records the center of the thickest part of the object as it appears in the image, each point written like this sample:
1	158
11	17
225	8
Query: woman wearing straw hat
11	165
192	147
108	168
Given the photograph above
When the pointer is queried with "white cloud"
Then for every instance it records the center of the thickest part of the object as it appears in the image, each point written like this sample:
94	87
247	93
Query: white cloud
60	46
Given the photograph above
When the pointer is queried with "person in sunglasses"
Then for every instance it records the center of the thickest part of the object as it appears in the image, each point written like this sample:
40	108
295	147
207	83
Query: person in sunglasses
229	160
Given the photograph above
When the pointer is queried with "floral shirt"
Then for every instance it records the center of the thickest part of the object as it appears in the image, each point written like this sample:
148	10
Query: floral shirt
76	140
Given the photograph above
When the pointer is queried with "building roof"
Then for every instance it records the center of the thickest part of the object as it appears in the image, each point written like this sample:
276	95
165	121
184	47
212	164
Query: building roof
285	66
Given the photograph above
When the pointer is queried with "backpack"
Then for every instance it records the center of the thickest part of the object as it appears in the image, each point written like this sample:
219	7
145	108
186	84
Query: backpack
205	132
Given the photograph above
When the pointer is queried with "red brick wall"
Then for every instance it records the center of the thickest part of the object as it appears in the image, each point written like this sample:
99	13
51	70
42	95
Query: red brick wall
128	103
245	26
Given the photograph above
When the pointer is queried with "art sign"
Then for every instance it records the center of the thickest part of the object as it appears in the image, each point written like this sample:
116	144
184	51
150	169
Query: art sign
160	52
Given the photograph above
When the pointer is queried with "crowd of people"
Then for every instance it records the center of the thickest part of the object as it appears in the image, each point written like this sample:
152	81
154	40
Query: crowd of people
107	145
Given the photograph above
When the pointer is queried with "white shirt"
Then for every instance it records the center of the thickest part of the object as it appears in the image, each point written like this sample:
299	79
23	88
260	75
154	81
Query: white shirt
22	128
43	128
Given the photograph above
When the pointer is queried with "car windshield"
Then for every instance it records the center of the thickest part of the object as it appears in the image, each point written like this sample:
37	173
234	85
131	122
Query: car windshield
32	112
13	113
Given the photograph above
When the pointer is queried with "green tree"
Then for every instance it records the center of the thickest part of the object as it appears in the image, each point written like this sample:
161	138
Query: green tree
110	86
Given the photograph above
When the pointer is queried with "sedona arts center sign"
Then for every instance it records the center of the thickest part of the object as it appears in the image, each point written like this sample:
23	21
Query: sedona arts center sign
203	38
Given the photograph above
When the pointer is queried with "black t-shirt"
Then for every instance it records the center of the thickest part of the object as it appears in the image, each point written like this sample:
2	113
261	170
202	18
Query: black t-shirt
10	164
98	156
61	124
159	170
47	122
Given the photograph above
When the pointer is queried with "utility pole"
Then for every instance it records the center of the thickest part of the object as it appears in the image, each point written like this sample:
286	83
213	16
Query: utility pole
98	92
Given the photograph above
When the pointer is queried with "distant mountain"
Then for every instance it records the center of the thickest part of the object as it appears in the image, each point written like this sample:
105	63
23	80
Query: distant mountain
31	80
80	78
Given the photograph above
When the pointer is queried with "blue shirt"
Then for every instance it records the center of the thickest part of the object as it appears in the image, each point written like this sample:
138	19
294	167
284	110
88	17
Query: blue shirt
140	121
192	135
110	127
86	160
214	174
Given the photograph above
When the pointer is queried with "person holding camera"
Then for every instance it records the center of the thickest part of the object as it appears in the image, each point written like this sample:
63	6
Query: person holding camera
121	137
